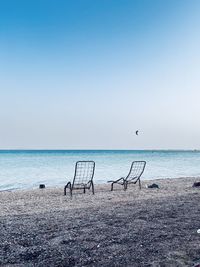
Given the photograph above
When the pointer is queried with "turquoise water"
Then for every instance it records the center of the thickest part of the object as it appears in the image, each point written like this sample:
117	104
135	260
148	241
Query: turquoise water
27	169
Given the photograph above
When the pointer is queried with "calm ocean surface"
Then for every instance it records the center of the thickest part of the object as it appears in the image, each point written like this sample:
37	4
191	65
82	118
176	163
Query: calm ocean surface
27	169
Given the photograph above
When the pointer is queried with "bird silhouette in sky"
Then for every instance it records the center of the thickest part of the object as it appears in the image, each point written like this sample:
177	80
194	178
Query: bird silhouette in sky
136	132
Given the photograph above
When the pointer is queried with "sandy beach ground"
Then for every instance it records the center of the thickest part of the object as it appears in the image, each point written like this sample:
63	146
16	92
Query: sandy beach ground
148	227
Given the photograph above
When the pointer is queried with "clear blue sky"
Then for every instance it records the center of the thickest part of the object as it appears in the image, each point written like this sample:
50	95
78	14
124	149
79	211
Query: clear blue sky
87	74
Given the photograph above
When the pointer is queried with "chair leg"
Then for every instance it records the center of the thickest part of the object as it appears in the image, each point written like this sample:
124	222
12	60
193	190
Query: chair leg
84	190
125	186
112	186
65	189
140	184
92	187
69	185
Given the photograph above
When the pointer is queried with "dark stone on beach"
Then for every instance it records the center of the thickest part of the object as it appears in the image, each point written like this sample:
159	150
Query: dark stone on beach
196	184
153	186
42	186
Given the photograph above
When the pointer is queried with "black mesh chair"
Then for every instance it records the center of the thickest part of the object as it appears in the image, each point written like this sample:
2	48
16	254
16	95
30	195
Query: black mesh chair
136	171
83	177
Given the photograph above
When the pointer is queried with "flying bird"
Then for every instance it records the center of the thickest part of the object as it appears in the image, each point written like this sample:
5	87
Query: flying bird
136	132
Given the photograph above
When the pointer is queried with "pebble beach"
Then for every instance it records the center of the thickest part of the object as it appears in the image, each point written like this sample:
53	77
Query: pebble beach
147	227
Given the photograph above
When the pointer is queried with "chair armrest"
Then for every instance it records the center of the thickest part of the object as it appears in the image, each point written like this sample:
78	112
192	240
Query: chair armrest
122	178
68	184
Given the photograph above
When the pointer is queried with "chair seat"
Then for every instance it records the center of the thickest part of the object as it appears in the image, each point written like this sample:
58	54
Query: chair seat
80	186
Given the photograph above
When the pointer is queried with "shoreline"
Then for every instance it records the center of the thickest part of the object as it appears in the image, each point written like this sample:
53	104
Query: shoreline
104	184
147	227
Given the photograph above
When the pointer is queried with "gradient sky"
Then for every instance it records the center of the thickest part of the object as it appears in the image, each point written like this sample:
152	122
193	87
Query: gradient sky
85	74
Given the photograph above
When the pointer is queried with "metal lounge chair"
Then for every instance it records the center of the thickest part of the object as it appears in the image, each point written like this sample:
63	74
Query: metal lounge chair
136	171
83	177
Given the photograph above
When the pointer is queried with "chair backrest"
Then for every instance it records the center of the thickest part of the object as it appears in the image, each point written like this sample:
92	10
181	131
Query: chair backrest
136	170
84	172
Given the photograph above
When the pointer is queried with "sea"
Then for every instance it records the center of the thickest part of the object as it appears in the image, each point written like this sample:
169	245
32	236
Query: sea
23	169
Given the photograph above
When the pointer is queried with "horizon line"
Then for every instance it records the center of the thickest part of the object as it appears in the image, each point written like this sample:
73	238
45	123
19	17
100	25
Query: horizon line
85	149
